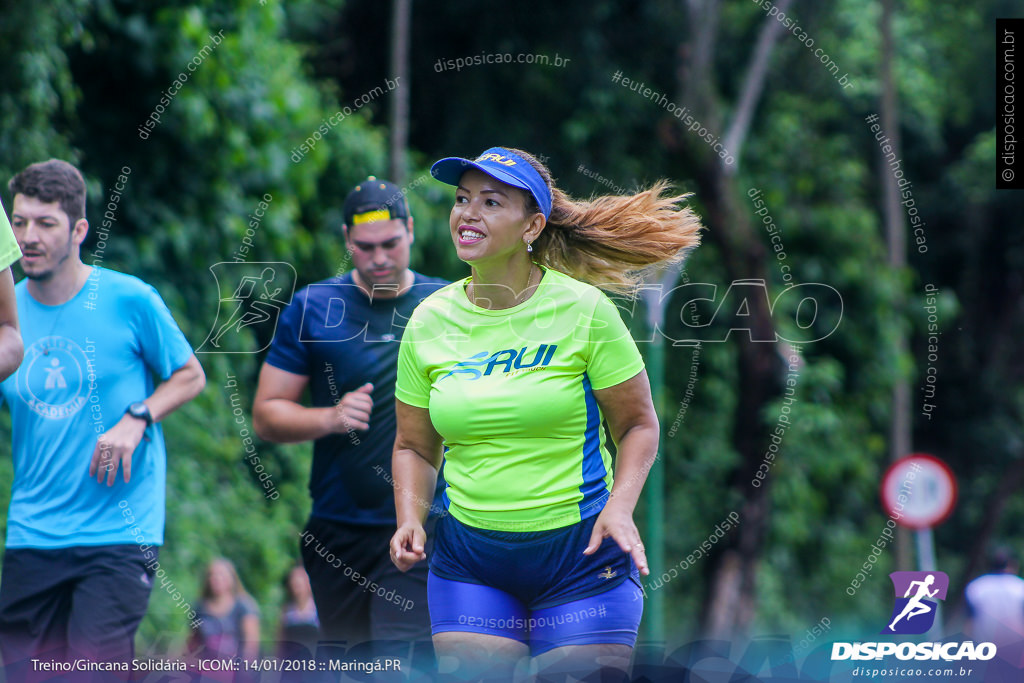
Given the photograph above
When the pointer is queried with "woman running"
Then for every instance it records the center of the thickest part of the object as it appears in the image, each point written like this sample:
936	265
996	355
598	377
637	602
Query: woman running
512	371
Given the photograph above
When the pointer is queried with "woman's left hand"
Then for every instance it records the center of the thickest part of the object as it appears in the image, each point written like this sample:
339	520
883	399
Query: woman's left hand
617	523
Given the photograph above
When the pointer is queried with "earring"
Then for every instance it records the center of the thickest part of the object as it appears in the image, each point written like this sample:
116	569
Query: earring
529	248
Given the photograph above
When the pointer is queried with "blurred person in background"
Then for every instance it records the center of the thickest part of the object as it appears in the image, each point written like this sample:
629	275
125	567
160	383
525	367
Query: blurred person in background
995	606
300	627
227	617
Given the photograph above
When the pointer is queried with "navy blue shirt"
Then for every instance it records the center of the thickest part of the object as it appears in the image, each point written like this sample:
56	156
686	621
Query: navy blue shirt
334	334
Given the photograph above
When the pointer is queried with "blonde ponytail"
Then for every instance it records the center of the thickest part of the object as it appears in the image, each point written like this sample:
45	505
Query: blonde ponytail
608	241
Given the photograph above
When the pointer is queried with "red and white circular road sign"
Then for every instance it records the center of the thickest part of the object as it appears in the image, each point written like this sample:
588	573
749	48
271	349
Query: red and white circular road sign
918	491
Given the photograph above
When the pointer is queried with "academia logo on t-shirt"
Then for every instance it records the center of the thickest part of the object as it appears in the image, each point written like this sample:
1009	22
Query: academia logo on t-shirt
52	378
510	359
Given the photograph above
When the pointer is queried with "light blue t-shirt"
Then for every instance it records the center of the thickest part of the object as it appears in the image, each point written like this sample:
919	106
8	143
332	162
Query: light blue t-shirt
85	362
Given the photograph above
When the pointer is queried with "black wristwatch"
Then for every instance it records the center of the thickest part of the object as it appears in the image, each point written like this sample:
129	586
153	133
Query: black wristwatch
141	411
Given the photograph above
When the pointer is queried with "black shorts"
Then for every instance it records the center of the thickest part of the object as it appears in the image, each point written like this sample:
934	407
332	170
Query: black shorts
61	604
360	595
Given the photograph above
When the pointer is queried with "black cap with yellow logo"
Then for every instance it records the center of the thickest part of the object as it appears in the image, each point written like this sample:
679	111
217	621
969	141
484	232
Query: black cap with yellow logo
374	200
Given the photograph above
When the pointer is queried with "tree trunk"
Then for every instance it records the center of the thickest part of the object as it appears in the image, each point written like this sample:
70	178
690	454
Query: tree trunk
731	570
731	599
895	231
401	18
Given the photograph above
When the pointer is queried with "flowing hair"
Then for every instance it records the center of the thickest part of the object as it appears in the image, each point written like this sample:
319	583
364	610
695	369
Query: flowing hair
608	241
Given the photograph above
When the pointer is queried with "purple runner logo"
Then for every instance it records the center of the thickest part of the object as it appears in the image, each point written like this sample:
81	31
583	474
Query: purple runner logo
914	612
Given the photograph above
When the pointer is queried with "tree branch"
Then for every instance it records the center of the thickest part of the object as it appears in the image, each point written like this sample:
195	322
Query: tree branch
698	83
753	84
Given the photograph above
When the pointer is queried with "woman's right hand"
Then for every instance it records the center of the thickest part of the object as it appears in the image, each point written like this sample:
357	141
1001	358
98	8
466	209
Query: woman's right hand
407	546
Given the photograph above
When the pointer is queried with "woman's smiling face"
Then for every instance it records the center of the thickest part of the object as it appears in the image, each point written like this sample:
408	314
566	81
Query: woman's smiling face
489	220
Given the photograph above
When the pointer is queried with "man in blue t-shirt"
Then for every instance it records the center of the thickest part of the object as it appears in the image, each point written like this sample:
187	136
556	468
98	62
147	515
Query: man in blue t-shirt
81	540
340	337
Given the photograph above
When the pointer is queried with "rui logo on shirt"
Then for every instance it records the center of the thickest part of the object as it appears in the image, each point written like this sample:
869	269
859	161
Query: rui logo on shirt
509	360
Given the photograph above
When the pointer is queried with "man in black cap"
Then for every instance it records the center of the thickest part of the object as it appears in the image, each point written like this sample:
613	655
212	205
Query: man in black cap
340	337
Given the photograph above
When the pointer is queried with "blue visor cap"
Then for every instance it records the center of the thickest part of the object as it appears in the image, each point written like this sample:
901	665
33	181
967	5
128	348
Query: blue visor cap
500	164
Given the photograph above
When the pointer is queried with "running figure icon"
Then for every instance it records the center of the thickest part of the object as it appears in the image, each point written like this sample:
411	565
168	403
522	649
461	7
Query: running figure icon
915	607
250	311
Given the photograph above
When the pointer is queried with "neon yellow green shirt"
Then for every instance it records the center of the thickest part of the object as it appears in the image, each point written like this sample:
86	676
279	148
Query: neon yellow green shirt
511	392
9	250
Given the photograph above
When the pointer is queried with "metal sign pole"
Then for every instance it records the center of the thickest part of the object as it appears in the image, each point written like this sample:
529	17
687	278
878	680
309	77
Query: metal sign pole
926	563
655	303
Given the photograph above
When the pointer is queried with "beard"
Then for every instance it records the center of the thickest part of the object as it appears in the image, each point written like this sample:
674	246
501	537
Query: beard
45	275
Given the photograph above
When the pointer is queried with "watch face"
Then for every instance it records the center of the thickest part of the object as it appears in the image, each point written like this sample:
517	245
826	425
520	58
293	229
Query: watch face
140	410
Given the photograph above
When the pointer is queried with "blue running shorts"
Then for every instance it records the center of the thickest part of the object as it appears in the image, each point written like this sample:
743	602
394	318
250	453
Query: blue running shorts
535	587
